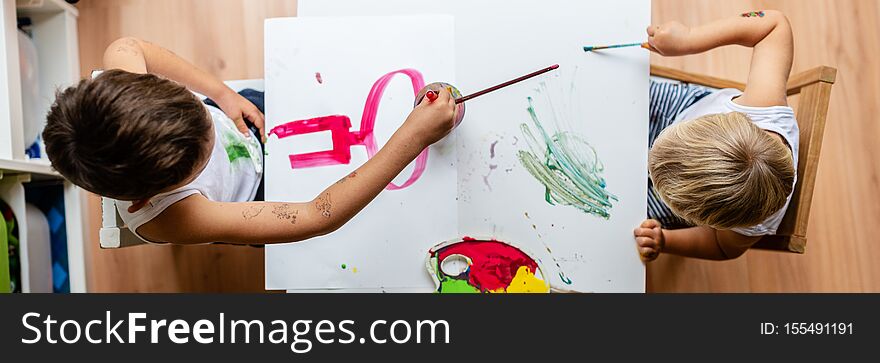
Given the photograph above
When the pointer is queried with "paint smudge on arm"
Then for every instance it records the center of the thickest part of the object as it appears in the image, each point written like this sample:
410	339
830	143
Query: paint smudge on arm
345	178
322	204
285	212
567	166
252	211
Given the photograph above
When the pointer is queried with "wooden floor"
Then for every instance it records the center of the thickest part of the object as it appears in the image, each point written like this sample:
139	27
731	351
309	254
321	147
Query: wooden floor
225	37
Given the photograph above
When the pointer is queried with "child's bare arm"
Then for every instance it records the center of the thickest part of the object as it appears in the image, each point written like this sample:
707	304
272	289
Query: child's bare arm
768	32
139	56
198	220
699	242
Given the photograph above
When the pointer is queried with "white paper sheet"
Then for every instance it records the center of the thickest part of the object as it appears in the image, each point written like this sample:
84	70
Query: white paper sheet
497	40
384	245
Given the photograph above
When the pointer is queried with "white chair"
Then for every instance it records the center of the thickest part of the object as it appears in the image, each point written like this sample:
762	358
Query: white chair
114	232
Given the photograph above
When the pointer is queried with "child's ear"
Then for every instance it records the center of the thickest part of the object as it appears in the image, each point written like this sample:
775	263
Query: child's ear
137	205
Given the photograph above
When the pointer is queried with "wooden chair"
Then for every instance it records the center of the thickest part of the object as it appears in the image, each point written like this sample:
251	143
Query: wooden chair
814	88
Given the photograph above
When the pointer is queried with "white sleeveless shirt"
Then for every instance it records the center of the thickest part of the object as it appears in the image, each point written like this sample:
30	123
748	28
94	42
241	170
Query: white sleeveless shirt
778	119
233	174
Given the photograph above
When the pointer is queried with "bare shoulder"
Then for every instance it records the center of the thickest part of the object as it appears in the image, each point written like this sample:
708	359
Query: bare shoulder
734	244
183	218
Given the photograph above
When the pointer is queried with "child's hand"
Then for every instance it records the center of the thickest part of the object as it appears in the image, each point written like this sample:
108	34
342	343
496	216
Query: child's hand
430	121
669	39
649	237
239	108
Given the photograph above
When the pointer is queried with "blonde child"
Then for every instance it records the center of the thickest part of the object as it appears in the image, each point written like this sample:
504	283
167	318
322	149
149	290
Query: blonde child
722	163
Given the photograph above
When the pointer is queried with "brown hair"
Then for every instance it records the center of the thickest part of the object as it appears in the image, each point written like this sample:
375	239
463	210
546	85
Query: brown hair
721	170
127	136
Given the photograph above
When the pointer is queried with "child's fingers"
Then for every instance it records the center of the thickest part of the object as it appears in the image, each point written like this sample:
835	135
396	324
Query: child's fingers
259	121
650	223
242	127
646	242
443	95
651	45
651	29
644	232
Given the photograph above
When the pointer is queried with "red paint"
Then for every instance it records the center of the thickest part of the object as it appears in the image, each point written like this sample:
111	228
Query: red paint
338	126
431	95
319	78
494	263
343	139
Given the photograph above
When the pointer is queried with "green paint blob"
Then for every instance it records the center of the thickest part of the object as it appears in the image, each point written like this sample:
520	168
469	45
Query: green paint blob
235	148
567	166
343	266
455	286
236	151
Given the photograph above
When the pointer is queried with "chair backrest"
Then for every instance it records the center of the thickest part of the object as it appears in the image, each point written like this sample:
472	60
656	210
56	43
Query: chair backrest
814	89
114	233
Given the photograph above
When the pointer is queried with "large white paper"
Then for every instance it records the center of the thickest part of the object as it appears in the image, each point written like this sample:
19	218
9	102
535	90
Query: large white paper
327	66
496	40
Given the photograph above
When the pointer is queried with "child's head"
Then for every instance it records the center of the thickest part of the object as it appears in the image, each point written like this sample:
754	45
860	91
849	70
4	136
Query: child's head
721	170
128	136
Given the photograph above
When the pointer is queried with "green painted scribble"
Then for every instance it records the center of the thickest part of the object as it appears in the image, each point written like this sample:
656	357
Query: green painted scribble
568	167
235	149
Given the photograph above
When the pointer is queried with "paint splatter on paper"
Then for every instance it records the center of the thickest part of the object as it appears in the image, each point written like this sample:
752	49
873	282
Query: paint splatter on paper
561	274
319	78
564	163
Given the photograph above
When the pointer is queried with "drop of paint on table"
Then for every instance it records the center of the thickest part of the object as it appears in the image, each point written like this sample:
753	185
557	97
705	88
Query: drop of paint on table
319	78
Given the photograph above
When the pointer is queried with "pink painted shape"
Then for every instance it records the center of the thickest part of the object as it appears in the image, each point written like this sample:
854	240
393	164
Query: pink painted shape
338	125
343	139
368	119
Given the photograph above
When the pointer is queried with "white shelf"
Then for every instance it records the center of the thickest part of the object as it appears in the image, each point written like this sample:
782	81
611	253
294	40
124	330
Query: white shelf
39	167
26	7
54	33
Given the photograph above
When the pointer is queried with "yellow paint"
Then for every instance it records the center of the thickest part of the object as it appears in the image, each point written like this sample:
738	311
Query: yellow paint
354	270
525	281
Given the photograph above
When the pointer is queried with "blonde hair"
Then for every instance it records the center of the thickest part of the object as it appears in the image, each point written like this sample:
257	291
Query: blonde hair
721	170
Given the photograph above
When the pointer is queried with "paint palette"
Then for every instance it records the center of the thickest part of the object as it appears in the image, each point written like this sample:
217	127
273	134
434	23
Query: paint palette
471	265
437	86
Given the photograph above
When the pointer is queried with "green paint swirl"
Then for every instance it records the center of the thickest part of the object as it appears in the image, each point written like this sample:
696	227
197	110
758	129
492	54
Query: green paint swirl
568	167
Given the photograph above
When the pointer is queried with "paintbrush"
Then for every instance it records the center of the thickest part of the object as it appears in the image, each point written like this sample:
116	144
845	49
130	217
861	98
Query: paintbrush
505	84
599	47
